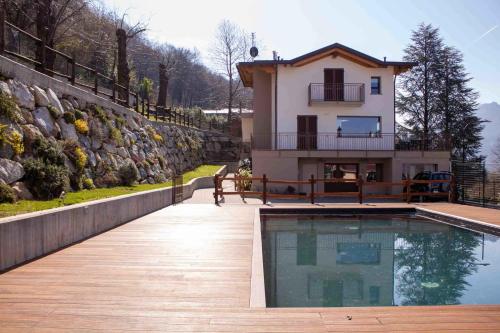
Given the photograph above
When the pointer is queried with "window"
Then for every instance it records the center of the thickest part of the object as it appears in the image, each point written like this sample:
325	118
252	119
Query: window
355	126
358	253
306	249
374	295
375	85
374	172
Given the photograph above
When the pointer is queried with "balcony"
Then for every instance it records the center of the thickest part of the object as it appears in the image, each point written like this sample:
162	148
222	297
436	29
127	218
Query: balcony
337	93
346	142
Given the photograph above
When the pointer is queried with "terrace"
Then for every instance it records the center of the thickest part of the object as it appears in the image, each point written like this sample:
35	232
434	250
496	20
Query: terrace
335	141
189	267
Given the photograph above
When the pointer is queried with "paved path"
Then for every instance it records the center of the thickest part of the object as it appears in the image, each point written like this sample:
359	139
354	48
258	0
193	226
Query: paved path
187	268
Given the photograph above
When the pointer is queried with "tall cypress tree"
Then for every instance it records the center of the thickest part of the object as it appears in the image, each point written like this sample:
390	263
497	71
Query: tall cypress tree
418	96
434	98
457	105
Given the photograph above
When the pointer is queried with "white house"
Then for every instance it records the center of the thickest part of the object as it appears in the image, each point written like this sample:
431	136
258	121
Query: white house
331	113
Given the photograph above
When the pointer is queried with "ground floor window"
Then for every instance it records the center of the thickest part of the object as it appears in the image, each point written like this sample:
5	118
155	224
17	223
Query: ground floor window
374	172
410	170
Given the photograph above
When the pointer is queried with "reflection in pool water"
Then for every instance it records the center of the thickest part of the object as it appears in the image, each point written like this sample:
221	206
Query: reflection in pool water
376	261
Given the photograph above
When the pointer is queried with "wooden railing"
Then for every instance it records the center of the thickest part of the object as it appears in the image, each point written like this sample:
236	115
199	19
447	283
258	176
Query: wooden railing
406	194
98	83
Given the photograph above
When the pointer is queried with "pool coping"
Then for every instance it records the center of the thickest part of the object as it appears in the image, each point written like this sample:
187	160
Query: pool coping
257	284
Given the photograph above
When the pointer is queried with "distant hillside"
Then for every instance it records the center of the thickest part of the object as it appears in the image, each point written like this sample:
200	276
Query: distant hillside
491	112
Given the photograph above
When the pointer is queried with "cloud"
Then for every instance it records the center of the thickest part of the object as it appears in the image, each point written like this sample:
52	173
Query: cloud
486	33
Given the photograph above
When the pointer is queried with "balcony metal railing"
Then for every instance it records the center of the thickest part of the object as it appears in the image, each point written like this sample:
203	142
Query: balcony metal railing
346	142
336	92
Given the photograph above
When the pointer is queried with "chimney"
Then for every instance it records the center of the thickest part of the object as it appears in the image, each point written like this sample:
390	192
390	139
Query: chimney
275	55
385	59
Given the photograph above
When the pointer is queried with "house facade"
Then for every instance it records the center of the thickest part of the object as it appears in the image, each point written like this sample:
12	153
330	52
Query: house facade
331	113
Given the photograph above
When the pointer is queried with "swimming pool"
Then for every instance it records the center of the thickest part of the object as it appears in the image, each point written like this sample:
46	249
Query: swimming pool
318	260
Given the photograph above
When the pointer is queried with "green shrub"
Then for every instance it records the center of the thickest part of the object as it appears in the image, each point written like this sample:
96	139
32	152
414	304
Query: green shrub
53	111
9	108
45	181
128	174
88	184
7	194
116	135
69	117
120	122
79	114
47	152
100	113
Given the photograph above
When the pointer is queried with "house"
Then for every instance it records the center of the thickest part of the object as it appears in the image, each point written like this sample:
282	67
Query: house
331	113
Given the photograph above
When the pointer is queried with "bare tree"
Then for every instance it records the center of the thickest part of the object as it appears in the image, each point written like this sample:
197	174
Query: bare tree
166	67
230	47
52	21
123	34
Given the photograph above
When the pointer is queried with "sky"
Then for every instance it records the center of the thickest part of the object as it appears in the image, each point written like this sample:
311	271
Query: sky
294	27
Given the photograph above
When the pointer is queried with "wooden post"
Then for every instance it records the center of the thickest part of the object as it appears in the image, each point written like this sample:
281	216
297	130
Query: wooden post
360	190
44	53
127	96
96	82
156	112
143	107
136	102
73	70
2	27
113	87
169	115
312	189
264	189
408	191
216	193
148	108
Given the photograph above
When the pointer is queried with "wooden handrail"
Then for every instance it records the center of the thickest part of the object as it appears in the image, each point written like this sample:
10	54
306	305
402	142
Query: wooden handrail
360	194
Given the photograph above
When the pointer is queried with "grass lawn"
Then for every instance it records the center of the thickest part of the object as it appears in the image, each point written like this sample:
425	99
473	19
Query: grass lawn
25	206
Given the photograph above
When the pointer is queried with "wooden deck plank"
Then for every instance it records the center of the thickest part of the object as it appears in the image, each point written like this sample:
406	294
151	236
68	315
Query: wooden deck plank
188	268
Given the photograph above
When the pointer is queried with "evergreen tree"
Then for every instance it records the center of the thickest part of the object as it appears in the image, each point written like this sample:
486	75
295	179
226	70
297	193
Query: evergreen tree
435	99
457	105
418	96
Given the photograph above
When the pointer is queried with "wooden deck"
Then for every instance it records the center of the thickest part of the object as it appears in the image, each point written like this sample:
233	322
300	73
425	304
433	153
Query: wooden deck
187	268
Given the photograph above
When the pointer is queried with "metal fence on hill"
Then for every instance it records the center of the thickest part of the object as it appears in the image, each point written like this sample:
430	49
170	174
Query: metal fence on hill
477	183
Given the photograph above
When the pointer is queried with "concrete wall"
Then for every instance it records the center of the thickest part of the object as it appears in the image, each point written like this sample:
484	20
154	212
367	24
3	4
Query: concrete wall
28	236
262	109
246	129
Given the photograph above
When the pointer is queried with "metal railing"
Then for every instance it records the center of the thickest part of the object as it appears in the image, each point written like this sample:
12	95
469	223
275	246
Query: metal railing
477	183
338	141
336	92
22	46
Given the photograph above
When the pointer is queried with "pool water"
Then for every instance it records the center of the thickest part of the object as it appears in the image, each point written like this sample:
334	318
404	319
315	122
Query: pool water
332	261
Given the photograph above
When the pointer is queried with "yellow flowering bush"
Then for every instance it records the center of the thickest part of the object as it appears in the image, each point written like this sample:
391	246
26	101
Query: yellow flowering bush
80	158
81	126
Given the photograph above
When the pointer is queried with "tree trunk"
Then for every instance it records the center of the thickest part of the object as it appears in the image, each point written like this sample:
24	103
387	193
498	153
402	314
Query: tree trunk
122	68
162	90
43	18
